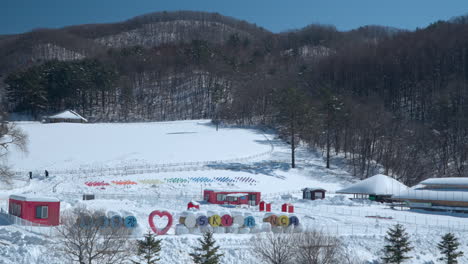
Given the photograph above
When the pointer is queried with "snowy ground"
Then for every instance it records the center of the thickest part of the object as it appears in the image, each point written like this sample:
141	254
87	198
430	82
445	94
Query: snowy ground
245	160
71	146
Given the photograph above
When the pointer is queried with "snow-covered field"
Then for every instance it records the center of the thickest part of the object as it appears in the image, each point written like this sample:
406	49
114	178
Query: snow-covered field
200	157
71	146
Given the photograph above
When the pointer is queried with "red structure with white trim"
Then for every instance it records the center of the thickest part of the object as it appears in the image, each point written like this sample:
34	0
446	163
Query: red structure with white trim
231	196
39	210
264	206
193	205
287	208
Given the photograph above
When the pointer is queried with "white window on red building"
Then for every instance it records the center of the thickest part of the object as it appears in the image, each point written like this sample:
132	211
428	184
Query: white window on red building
42	212
221	197
231	199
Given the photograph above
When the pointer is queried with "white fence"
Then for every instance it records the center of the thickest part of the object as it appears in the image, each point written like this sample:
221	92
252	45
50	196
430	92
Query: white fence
283	193
27	225
137	171
381	229
416	221
121	196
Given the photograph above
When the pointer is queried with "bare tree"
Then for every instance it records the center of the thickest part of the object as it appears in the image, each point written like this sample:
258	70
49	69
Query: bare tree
274	248
85	238
347	256
293	113
10	136
315	247
312	247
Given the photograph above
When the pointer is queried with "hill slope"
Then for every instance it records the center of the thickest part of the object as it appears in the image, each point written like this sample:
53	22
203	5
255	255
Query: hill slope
360	225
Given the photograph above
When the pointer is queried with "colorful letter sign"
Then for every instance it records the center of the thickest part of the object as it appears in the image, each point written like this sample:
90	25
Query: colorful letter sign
202	220
249	221
214	220
293	220
194	223
226	220
130	221
283	220
103	221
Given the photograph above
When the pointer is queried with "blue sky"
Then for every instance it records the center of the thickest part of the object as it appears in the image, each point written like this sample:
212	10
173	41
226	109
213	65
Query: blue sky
18	16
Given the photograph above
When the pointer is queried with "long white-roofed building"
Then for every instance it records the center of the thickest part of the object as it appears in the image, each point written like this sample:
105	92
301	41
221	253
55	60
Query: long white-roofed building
438	194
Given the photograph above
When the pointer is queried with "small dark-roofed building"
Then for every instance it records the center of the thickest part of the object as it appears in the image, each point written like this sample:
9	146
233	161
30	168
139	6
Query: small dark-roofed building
312	193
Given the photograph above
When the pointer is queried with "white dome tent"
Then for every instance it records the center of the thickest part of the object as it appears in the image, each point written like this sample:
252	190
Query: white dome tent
376	187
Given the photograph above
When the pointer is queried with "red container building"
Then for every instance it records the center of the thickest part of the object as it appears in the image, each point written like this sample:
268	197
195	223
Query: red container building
39	210
231	196
287	208
264	206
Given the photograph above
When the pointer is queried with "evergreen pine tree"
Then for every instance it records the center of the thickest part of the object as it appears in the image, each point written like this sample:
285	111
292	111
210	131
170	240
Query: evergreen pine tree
148	249
207	253
398	245
448	248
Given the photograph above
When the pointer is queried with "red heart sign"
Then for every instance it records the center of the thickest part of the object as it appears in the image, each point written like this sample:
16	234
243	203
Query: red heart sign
160	214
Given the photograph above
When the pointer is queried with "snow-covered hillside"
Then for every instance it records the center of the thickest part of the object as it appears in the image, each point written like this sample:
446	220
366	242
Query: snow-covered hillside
81	158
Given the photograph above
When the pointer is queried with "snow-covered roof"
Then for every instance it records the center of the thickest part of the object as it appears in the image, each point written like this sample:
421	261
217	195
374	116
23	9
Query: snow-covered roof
194	202
433	195
313	189
230	190
67	114
33	198
446	181
378	185
236	195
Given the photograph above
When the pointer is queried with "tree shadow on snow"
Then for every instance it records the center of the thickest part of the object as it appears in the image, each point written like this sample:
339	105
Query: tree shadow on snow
4	221
263	167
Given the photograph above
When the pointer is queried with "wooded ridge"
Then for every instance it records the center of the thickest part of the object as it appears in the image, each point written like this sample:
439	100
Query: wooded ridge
377	95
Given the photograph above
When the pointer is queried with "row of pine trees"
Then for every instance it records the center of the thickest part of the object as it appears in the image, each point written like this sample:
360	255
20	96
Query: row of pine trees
149	250
398	247
396	251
